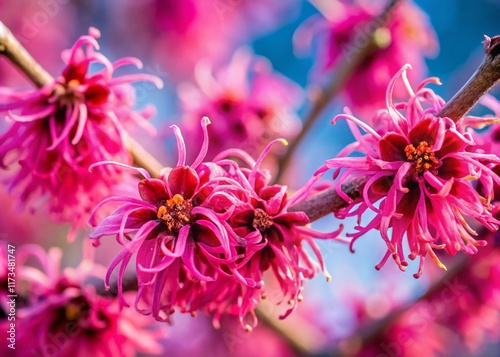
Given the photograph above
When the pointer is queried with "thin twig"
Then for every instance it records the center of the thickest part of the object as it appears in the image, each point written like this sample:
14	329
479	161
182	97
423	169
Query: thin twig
19	56
485	77
329	201
142	157
344	72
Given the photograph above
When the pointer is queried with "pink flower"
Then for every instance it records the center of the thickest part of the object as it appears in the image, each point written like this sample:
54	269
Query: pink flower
179	235
248	103
406	38
61	129
203	236
63	315
419	170
273	240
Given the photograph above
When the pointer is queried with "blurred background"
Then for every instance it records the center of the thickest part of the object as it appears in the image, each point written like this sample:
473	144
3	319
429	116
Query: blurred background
361	312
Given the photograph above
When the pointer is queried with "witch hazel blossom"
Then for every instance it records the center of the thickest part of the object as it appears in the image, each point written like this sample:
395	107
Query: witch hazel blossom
58	131
273	240
64	315
177	234
419	178
204	235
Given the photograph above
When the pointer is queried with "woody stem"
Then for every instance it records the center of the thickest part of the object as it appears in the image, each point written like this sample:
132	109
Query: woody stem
483	79
343	73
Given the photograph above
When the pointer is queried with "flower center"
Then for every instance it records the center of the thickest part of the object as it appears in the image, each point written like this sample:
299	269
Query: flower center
261	220
423	157
176	213
73	312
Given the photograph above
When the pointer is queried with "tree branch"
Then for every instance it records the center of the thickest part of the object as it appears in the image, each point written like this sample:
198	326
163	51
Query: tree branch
17	54
343	73
485	77
329	201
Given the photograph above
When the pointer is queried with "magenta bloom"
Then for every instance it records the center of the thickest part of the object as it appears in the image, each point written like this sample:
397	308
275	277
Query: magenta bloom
270	238
344	28
248	103
419	170
178	235
203	236
58	131
64	316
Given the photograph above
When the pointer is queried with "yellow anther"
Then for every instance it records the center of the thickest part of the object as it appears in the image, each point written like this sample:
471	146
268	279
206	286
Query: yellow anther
422	155
161	211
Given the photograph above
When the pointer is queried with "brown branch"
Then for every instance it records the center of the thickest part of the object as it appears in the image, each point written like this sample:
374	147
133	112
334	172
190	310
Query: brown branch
17	54
344	72
329	201
485	77
142	157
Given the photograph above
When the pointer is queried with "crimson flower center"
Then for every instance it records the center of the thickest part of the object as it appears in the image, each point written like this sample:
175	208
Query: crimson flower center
73	312
176	213
261	220
423	157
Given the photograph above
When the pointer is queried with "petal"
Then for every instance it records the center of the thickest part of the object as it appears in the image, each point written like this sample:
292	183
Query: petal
97	94
453	167
392	147
426	130
153	191
183	181
452	143
275	197
76	71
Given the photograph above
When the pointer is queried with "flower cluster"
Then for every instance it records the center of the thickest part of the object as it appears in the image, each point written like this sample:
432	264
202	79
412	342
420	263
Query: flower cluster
248	103
203	236
58	131
419	168
60	312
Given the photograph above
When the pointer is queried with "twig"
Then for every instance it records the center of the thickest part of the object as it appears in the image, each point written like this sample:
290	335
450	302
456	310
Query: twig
329	201
344	72
142	157
485	77
17	54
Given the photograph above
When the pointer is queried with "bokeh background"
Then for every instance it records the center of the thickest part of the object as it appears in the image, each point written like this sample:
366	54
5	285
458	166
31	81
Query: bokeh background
342	317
